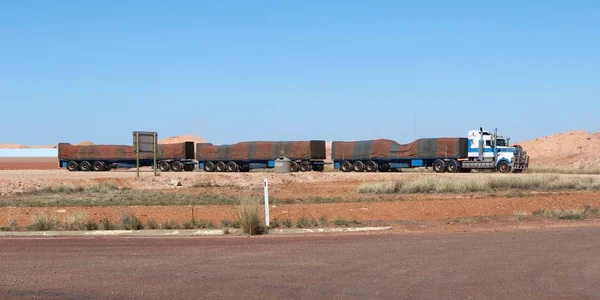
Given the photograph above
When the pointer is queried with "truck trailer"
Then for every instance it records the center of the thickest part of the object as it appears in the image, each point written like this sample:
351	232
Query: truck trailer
480	150
244	156
170	157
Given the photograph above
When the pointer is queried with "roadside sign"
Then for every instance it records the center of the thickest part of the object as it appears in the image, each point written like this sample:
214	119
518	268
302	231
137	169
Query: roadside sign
145	142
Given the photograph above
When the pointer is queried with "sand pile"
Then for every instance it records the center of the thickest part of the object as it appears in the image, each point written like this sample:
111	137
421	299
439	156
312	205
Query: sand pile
181	139
576	149
85	143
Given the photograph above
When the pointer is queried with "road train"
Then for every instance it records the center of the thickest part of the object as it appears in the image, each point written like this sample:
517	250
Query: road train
479	150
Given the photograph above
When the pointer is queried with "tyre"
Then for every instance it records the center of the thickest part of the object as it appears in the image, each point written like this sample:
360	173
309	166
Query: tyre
164	166
305	166
188	168
209	166
346	166
245	168
85	166
232	166
98	166
318	168
72	166
503	167
371	166
452	166
107	167
384	168
294	167
439	166
176	166
358	166
221	167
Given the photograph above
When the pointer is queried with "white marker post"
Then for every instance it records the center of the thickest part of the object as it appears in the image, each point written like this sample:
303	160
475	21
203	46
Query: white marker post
266	202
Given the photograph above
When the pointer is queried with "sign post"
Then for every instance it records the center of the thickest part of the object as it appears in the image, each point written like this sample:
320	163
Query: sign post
145	142
267	202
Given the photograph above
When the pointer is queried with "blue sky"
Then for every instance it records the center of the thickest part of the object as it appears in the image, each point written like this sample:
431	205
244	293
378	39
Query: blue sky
232	71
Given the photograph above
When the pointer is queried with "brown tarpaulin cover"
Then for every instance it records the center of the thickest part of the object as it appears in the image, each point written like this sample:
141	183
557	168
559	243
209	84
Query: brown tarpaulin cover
260	150
389	149
118	152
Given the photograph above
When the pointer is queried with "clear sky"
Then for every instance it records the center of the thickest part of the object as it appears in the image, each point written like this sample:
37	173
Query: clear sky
233	71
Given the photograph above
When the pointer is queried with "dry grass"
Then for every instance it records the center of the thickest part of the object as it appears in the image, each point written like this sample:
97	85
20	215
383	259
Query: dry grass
43	223
581	170
76	221
439	184
569	214
249	217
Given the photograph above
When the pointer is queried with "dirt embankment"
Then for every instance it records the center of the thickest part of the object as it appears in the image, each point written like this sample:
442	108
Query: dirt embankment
576	149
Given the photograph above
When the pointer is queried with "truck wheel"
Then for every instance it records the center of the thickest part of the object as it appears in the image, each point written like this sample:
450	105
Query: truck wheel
345	166
245	168
209	166
384	168
221	167
439	166
232	166
294	167
318	168
305	166
358	166
503	167
176	166
371	166
85	166
453	166
188	168
107	167
72	166
98	166
164	166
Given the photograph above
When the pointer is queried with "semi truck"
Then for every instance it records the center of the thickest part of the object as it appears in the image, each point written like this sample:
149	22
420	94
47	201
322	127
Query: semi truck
480	150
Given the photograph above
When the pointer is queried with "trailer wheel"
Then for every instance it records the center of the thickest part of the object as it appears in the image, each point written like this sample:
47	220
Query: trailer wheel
85	166
98	166
384	168
305	166
294	167
209	166
221	167
346	166
164	166
72	166
371	166
453	166
439	166
318	168
503	167
232	166
358	166
176	166
245	168
107	167
188	168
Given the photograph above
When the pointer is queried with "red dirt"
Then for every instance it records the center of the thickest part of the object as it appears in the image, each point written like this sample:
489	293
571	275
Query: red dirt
28	163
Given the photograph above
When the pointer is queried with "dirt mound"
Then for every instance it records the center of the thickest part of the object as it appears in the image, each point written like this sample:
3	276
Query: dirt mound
85	143
576	149
181	139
